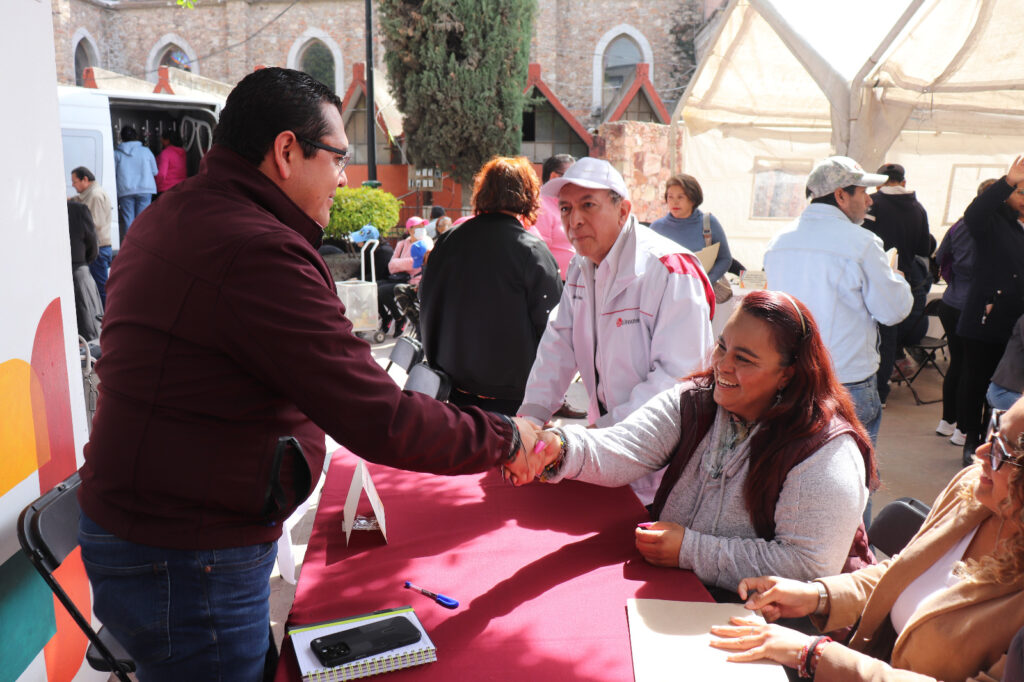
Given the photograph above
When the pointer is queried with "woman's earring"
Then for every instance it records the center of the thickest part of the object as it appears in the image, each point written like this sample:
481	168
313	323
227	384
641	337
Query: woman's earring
778	397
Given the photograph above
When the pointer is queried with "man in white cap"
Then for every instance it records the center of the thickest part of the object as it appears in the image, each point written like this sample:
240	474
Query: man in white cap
635	313
840	272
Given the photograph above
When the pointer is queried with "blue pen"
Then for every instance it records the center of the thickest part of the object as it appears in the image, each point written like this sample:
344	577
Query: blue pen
444	601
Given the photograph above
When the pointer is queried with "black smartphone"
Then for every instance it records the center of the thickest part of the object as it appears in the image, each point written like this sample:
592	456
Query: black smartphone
365	640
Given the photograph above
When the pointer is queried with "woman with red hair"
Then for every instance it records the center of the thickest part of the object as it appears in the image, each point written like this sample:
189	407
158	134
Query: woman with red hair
766	463
488	290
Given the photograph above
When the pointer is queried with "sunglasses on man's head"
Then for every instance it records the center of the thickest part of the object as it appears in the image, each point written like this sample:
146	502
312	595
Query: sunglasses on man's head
1001	451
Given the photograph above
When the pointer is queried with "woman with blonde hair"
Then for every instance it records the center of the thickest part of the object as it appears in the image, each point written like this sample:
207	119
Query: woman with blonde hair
946	607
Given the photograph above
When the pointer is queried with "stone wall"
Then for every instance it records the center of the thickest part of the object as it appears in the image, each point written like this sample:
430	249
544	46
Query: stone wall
580	27
128	33
640	151
567	33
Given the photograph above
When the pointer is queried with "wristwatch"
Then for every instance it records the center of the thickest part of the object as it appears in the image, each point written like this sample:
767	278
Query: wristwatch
517	441
822	597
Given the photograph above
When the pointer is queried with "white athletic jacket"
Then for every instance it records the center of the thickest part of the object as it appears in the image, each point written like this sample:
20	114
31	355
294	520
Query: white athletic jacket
653	309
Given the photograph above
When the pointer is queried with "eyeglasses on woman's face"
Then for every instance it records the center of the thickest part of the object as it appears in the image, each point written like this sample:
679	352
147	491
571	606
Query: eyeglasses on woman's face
1000	451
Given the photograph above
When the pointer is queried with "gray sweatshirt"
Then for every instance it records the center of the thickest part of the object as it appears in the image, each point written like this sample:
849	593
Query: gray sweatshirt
818	511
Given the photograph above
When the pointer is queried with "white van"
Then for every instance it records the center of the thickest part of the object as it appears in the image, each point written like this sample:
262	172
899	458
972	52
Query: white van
91	121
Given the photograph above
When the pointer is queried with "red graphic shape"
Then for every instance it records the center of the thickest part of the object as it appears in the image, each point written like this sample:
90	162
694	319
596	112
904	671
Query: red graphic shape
49	365
65	651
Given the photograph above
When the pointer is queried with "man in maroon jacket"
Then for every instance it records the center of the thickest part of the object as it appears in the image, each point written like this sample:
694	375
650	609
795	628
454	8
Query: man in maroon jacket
226	356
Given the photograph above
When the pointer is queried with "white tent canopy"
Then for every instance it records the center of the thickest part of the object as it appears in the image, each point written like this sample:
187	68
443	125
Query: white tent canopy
935	86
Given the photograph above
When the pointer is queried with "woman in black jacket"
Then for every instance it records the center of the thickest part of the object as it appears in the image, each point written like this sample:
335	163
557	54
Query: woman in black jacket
995	299
487	291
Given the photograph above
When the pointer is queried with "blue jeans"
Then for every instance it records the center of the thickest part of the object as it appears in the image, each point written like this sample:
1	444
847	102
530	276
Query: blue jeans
99	269
182	614
130	206
869	408
869	411
1001	398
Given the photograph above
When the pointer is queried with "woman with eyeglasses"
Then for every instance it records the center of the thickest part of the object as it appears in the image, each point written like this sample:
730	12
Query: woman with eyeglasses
946	607
995	297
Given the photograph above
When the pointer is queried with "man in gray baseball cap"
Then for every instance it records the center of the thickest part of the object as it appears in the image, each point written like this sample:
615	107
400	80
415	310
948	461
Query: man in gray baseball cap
635	313
840	272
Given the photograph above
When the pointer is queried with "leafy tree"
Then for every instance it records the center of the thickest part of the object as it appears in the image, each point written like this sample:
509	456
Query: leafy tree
357	206
457	70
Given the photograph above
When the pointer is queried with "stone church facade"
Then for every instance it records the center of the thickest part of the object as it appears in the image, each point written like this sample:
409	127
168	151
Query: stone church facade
586	48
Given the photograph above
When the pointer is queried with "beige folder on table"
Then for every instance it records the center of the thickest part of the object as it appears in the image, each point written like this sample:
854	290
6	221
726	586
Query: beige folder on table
670	642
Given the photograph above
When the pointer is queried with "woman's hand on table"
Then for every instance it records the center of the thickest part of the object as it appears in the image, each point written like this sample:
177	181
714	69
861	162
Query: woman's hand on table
778	597
753	641
659	542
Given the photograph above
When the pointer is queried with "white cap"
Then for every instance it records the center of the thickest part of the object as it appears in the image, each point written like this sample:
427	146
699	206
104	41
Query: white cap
837	172
588	172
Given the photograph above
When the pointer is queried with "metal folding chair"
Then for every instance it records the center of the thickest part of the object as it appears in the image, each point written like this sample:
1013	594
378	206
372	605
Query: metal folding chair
406	352
425	379
48	533
929	348
896	524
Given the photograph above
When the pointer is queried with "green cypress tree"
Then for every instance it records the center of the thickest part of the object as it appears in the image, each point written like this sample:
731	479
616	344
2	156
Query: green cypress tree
457	69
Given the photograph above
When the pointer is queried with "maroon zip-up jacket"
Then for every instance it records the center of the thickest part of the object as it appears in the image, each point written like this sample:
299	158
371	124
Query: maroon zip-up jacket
226	356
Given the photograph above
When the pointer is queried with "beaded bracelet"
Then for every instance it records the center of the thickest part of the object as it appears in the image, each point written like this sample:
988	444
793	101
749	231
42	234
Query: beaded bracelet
552	470
802	663
816	652
810	654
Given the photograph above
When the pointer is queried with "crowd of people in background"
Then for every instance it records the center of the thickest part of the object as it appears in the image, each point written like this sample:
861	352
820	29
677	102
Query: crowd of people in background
754	451
777	427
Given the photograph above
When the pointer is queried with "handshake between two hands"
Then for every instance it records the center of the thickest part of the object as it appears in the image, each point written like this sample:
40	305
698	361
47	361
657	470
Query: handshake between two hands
540	448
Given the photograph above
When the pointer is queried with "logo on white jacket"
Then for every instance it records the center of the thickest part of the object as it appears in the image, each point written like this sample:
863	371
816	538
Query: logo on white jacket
619	322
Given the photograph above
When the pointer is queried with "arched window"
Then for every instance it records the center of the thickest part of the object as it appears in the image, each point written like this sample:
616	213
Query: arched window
85	54
616	55
82	61
619	65
316	60
315	52
171	50
175	57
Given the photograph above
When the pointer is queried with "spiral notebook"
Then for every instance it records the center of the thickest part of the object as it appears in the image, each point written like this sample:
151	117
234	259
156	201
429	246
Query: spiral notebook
414	654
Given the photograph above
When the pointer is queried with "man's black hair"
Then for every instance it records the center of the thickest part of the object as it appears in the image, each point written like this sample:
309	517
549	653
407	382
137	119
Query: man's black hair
128	134
893	171
83	173
555	164
266	103
436	212
830	198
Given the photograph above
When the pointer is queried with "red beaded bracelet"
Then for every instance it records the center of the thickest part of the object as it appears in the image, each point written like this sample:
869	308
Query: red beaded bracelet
816	652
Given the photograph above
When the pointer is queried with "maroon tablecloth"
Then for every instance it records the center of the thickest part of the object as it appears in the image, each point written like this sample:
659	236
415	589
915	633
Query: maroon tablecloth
542	573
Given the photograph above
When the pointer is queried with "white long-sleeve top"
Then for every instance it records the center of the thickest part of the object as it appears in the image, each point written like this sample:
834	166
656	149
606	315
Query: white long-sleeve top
840	272
817	513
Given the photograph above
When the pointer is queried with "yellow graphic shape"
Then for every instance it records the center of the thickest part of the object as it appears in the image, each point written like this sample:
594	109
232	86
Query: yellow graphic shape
19	389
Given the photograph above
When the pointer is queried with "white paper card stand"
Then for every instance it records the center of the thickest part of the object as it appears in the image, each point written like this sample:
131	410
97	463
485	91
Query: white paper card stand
361	481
